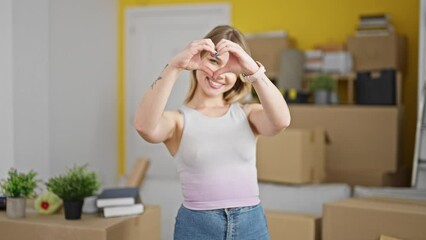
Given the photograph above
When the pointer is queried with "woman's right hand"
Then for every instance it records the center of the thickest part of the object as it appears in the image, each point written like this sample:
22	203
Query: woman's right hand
190	57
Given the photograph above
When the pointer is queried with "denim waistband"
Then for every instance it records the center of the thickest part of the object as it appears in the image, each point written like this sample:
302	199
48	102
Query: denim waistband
232	210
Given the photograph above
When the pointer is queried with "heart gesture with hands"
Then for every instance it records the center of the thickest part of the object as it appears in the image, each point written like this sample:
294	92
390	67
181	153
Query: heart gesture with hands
239	60
190	57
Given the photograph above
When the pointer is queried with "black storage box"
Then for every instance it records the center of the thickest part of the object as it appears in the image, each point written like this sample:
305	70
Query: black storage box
3	202
376	88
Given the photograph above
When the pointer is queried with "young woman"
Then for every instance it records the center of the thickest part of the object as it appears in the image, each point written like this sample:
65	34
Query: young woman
212	137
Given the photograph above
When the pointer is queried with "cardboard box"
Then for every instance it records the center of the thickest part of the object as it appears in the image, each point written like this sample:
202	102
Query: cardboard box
369	218
378	52
292	156
91	227
267	48
362	138
376	177
384	237
292	226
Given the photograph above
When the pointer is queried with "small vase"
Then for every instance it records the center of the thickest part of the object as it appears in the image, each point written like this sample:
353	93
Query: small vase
15	207
321	97
334	98
73	209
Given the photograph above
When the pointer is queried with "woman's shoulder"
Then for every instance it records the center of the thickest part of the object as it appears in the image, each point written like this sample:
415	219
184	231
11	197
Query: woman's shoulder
173	114
175	117
250	107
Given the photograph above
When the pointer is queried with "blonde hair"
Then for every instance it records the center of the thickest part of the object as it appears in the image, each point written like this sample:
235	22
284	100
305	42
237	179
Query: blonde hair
241	88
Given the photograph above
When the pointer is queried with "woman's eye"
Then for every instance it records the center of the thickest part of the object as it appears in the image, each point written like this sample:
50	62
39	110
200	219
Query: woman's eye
212	60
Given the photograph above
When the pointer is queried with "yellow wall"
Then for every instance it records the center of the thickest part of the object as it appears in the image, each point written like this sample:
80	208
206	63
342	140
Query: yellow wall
311	22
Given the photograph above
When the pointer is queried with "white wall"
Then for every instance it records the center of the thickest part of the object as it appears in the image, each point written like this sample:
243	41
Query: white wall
6	89
58	86
82	85
30	48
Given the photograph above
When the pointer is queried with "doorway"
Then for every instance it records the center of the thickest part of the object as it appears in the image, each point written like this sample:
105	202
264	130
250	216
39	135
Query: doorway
153	36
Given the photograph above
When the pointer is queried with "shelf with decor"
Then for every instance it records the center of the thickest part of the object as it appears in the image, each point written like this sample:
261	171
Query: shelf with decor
345	85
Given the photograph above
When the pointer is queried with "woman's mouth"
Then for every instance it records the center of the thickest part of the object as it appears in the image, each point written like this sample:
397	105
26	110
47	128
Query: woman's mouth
213	84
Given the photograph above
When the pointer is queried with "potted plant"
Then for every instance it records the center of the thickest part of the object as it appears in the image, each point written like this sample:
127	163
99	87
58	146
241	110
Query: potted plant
17	187
72	187
323	87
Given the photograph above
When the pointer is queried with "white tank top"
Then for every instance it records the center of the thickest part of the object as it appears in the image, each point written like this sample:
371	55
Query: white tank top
216	160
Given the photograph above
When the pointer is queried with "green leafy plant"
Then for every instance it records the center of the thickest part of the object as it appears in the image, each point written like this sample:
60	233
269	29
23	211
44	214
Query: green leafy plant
323	81
19	184
76	184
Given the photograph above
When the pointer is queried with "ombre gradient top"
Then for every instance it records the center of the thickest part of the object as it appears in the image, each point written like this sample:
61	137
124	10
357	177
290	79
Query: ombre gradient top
216	160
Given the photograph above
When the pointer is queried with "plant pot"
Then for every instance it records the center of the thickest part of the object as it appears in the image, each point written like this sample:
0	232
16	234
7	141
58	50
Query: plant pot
15	207
334	98
73	209
321	96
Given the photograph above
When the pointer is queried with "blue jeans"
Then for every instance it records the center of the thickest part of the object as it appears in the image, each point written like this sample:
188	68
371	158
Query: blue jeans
241	223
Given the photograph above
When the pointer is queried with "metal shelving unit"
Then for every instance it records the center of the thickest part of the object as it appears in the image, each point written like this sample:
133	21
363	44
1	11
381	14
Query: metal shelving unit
418	179
419	164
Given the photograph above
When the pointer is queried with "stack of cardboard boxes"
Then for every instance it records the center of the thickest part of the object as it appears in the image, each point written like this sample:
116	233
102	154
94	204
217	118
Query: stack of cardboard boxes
355	144
364	140
294	156
364	145
379	64
375	159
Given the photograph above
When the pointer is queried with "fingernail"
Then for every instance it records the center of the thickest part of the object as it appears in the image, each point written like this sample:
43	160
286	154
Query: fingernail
216	53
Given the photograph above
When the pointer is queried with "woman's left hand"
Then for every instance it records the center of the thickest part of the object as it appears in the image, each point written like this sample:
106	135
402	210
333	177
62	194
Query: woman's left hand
239	60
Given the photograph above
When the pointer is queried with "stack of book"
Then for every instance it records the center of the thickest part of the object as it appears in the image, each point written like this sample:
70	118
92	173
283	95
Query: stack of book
313	60
122	201
374	25
328	58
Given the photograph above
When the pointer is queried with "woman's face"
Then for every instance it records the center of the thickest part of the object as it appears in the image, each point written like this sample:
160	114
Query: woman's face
223	83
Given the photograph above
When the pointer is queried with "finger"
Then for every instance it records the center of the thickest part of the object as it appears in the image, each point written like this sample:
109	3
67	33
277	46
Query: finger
210	42
207	70
198	46
225	45
220	71
223	42
222	47
208	45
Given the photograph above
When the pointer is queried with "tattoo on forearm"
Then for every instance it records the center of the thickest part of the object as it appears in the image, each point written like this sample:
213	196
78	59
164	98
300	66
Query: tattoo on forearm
159	77
156	80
